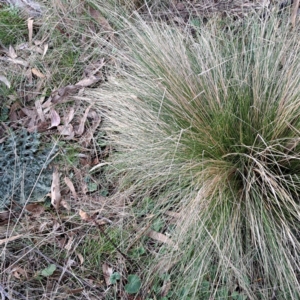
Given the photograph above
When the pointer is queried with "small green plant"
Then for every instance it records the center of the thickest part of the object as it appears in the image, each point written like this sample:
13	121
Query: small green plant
68	64
137	252
5	103
133	284
13	28
71	153
157	225
96	246
4	111
48	271
114	277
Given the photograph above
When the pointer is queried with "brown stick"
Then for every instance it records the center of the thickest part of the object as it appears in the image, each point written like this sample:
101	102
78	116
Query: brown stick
294	12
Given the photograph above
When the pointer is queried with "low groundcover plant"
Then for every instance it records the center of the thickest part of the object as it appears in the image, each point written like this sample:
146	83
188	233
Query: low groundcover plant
207	125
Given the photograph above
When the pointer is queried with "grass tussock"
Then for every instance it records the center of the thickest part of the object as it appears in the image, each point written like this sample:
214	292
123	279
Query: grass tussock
208	126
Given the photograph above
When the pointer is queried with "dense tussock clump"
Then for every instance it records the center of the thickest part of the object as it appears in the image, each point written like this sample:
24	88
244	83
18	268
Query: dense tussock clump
208	126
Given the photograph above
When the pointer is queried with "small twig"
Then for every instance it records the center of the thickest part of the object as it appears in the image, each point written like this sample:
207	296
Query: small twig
294	12
3	292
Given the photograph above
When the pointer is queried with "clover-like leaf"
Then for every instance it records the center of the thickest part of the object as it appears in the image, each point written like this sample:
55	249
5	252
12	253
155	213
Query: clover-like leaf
133	285
114	277
48	271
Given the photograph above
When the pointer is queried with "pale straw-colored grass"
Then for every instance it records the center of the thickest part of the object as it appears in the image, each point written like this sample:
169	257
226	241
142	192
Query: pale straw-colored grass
208	126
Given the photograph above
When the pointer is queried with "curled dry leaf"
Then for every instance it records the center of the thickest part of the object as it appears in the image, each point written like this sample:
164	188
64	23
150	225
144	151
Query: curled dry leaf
102	22
19	273
60	94
11	52
13	115
38	42
80	129
39	109
65	204
66	130
75	291
94	68
179	20
165	288
41	127
28	75
55	118
30	30
160	237
37	73
69	245
4	217
103	221
70	185
46	46
81	181
84	216
71	262
88	81
15	61
40	84
90	133
29	112
22	46
37	49
5	81
36	209
31	126
61	241
69	116
44	226
55	225
80	257
55	190
107	272
98	166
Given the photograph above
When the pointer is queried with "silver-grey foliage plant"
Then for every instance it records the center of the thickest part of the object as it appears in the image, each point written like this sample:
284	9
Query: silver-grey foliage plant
23	169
